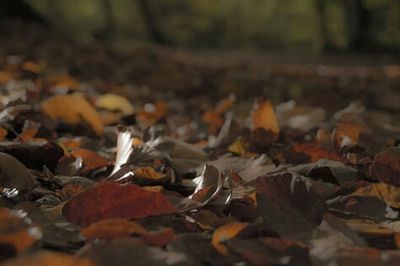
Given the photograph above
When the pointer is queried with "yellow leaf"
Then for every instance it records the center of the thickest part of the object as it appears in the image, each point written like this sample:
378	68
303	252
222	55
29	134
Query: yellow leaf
72	108
264	116
387	193
226	232
113	102
148	172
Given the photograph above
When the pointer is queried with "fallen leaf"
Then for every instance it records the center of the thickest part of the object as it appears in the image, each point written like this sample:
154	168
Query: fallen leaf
310	153
91	160
16	230
112	228
15	178
348	133
264	116
385	192
112	200
386	167
287	199
225	233
148	172
3	133
160	238
114	102
72	108
49	258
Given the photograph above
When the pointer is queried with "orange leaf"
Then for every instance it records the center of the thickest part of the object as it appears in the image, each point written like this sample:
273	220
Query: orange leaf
72	109
112	200
264	116
347	133
3	133
91	160
314	152
47	258
148	172
16	231
160	239
112	228
224	233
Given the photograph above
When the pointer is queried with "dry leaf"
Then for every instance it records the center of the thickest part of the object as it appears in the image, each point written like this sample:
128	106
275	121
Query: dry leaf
386	167
3	133
112	228
385	192
91	160
348	133
114	102
148	172
224	233
160	238
264	116
49	258
16	230
310	153
72	109
112	200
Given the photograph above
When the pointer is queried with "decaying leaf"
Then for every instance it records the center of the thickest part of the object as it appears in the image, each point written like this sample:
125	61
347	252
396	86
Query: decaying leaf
112	200
15	178
386	167
310	153
73	108
112	228
385	192
160	238
91	160
264	116
287	199
225	233
149	173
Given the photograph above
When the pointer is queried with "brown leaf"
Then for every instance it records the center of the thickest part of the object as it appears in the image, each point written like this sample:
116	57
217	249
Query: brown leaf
112	200
310	153
160	238
49	258
72	108
289	205
91	160
112	228
386	167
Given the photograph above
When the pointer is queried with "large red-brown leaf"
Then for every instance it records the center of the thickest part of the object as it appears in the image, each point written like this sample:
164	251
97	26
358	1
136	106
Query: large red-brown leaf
112	200
386	167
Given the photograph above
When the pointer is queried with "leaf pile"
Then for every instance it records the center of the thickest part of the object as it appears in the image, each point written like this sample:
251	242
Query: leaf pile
107	174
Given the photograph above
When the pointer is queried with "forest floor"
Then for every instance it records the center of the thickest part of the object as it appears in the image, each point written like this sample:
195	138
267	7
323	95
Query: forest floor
162	156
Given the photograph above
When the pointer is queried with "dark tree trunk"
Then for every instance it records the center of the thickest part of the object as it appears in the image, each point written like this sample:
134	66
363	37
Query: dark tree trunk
327	43
357	23
108	30
21	10
153	28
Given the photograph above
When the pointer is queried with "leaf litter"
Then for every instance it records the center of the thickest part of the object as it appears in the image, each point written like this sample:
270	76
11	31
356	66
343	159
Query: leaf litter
93	176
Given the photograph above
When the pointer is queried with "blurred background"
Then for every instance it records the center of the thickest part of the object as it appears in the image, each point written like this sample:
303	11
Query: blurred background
309	27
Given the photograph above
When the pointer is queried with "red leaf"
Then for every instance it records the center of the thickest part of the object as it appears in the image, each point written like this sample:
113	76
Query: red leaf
112	200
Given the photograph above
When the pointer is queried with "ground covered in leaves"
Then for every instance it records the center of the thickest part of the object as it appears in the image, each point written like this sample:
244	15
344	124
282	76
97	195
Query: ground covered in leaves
112	173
